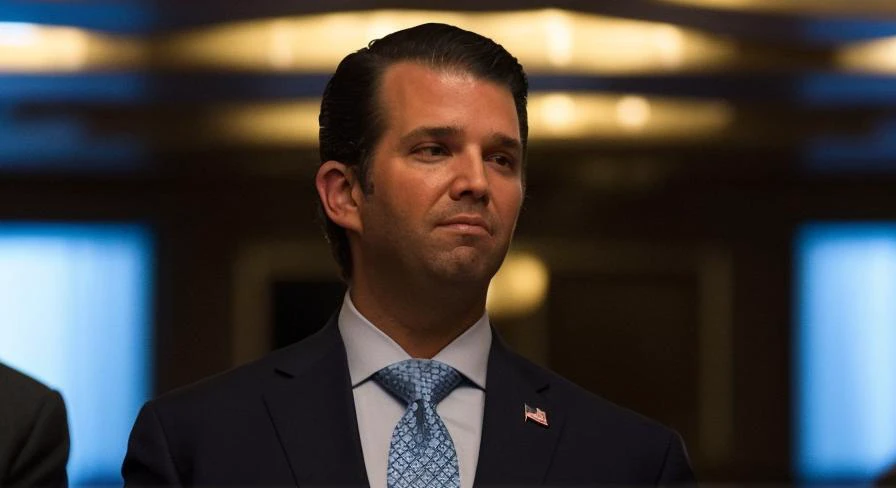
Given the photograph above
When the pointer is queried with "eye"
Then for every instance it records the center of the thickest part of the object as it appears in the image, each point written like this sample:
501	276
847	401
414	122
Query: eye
430	152
502	160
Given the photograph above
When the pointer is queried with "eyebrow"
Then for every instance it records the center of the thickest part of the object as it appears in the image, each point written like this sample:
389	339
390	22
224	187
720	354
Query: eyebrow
507	142
497	138
430	132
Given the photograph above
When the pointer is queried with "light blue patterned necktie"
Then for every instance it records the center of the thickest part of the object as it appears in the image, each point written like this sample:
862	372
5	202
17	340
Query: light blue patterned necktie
421	453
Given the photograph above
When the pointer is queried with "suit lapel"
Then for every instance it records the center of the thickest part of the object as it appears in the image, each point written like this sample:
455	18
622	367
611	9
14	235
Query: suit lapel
313	412
513	450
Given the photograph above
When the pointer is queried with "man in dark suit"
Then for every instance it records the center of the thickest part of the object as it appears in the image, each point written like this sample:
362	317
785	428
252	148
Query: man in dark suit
423	140
33	432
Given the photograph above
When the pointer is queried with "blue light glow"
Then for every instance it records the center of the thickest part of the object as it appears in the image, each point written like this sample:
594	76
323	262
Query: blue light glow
75	309
845	350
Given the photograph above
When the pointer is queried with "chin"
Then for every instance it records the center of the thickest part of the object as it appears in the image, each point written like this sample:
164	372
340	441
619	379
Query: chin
466	269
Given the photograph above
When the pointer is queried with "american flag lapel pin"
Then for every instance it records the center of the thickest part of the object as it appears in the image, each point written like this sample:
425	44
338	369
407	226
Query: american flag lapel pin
536	415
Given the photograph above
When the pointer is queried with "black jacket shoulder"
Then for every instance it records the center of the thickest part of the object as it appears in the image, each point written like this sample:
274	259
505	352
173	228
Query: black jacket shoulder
34	440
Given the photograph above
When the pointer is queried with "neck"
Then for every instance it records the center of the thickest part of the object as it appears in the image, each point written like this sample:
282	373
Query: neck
422	320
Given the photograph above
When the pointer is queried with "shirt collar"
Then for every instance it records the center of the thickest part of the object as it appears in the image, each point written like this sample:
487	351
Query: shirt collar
369	349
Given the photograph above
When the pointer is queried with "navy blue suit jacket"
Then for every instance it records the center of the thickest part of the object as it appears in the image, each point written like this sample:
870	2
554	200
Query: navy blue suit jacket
289	419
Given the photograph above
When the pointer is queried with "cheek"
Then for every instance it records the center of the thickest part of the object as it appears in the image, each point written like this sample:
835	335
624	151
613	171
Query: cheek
410	190
405	204
508	199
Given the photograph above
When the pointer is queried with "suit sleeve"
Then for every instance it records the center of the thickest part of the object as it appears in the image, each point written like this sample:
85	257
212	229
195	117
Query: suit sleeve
148	461
43	457
676	469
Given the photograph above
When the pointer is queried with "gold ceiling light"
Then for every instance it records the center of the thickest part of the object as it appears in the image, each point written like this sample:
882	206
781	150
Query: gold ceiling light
546	41
562	116
283	124
40	48
549	41
633	112
552	116
878	56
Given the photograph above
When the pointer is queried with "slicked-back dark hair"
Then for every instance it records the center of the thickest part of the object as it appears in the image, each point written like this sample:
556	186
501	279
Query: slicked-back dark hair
352	121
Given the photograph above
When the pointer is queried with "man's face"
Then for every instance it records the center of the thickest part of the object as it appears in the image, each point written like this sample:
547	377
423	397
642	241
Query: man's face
446	177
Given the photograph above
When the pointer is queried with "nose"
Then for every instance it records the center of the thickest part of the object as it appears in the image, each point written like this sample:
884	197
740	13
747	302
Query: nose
470	178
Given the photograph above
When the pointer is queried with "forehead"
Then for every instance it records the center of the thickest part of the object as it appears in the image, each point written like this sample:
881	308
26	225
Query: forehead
412	94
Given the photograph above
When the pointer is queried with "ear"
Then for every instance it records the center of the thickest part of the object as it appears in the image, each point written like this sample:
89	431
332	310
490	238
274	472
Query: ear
339	191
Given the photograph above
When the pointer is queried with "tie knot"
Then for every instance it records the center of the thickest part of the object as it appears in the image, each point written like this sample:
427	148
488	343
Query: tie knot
416	379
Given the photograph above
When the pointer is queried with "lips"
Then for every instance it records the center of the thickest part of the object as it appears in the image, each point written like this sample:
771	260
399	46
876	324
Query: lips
472	223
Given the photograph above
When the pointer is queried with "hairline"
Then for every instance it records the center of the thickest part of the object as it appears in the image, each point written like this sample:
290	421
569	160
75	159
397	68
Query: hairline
381	113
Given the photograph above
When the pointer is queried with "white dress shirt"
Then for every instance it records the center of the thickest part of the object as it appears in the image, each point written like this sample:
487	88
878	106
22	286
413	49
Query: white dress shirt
370	350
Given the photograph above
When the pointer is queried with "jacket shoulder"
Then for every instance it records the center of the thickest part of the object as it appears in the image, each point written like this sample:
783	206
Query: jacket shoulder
34	440
589	410
25	401
26	388
602	441
247	381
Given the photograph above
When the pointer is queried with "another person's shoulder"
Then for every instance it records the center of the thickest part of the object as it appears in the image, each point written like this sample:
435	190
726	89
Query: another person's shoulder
888	478
26	388
26	398
33	432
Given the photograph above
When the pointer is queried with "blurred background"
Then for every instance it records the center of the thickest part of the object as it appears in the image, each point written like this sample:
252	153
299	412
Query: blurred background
709	235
